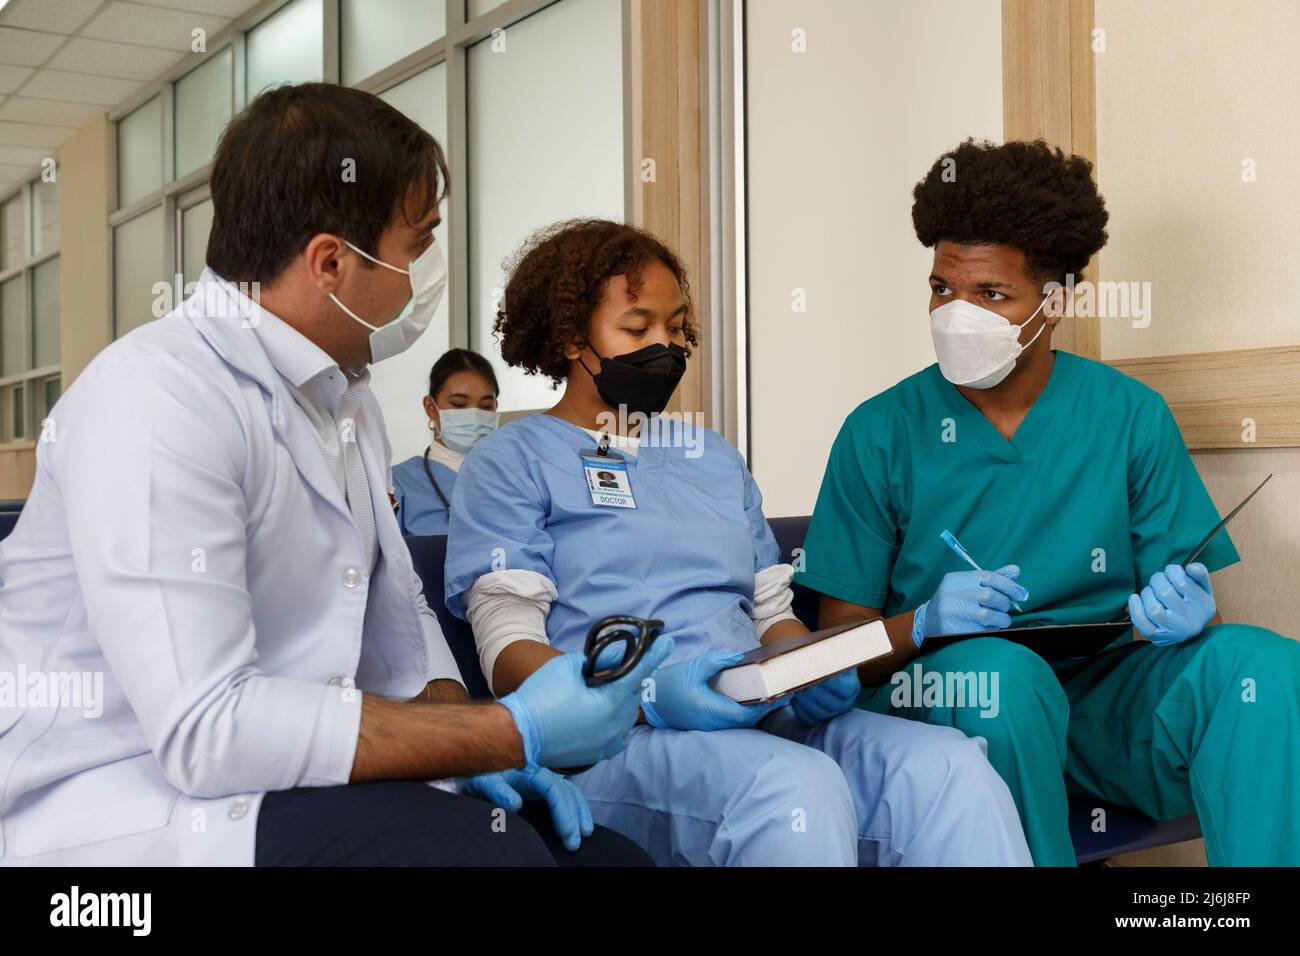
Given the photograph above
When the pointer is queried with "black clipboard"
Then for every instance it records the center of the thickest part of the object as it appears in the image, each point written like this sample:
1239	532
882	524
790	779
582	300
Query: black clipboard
1059	642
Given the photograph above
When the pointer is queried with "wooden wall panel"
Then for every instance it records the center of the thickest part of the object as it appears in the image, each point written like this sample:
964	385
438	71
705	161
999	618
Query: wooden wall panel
668	114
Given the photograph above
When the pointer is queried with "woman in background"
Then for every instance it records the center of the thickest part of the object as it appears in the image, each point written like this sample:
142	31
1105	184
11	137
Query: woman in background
462	408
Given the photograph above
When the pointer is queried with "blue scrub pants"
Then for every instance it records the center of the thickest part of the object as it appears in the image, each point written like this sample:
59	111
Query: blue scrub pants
861	789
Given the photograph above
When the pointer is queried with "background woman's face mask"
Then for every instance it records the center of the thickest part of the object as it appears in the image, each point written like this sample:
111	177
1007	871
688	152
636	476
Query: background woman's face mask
461	428
977	347
428	273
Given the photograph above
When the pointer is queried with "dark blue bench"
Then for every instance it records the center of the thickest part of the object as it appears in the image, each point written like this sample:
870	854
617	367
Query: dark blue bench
9	512
1126	830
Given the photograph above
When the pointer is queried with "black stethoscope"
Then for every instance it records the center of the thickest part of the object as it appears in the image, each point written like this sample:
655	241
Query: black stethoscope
434	481
635	633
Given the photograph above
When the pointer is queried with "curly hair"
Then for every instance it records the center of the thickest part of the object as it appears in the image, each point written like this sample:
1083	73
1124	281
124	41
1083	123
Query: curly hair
557	279
1022	194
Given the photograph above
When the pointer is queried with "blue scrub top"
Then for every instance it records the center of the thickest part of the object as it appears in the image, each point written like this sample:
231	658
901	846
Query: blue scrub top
687	554
1094	493
419	509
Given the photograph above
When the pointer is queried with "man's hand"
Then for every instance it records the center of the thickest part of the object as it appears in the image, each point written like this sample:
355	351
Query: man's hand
1178	604
969	601
569	810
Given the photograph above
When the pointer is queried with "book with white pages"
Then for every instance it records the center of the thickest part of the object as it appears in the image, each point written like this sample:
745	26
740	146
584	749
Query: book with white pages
782	667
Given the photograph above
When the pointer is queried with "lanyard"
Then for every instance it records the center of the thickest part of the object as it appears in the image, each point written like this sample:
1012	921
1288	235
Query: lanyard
434	481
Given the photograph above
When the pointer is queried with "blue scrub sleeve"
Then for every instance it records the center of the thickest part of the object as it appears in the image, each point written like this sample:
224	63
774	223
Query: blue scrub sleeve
1170	510
852	540
766	551
399	493
498	516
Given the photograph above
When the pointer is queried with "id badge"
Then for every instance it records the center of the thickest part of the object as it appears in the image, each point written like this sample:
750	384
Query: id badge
608	481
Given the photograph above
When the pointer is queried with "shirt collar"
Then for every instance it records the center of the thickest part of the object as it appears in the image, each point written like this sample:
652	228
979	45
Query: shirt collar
297	358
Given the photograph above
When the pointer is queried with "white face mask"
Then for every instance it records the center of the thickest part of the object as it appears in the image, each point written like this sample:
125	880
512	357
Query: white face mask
975	346
428	281
463	427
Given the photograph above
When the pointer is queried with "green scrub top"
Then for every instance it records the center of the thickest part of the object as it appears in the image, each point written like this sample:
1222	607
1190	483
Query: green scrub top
1095	492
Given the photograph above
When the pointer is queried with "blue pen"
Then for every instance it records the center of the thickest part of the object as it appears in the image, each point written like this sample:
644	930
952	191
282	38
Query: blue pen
951	541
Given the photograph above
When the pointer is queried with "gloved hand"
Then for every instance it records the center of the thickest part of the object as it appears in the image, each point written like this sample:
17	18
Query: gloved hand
683	699
565	723
969	601
1176	605
569	810
830	698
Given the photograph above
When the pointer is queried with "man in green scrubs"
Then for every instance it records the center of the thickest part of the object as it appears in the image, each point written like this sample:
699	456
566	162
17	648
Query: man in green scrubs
1072	484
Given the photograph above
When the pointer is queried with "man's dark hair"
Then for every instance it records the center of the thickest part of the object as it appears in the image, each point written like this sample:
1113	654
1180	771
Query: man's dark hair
460	360
280	176
1022	194
557	279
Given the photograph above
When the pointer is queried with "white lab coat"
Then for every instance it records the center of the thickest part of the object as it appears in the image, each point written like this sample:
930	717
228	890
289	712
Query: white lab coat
184	538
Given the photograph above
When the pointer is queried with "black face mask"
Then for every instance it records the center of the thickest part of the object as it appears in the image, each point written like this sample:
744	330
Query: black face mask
643	380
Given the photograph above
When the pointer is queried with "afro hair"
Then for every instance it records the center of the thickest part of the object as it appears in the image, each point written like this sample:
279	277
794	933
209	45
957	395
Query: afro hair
1021	194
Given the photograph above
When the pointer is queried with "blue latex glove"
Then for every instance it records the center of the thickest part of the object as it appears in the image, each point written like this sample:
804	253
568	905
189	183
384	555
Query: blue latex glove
565	723
830	698
569	810
969	601
683	699
1176	605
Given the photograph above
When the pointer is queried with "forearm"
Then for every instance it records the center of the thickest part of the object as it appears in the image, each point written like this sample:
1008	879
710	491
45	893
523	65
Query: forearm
791	627
444	691
899	629
402	740
517	662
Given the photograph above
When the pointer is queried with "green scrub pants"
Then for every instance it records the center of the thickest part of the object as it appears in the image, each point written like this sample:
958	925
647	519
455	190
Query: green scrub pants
1212	724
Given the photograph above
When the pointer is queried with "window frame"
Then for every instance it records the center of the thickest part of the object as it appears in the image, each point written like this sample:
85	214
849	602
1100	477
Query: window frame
26	382
451	48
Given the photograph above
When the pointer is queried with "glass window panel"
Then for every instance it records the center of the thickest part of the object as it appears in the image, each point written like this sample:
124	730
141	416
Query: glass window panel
138	263
139	153
45	215
13	250
196	223
557	99
52	389
45	313
400	383
15	356
18	410
287	47
375	35
203	107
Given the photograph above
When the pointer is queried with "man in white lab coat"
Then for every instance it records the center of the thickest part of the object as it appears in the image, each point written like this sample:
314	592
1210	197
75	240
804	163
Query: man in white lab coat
213	645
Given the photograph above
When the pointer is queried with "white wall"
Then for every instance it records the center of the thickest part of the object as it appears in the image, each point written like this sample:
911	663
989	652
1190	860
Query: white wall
837	137
1187	90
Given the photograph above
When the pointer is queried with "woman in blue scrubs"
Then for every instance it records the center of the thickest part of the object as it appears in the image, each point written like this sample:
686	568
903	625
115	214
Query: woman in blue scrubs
602	505
462	408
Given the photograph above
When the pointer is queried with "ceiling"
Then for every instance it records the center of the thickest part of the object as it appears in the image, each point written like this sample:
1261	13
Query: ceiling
63	61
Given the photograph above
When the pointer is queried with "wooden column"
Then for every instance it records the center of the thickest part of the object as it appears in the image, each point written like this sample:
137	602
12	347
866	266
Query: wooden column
666	110
1049	91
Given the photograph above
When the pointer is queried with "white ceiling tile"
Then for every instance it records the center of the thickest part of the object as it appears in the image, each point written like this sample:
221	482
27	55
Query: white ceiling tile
11	77
27	47
54	16
30	134
113	59
25	156
10	173
20	109
79	88
220	8
152	26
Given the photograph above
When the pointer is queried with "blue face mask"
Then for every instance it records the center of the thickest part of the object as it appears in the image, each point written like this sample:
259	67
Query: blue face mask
461	428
